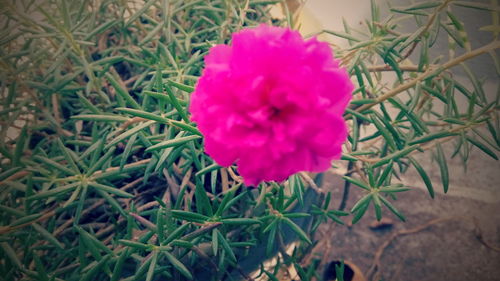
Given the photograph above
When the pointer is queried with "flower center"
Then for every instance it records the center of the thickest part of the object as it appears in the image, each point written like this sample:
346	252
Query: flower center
274	112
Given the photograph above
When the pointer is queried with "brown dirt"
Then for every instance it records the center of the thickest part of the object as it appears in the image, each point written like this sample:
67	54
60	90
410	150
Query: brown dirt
444	250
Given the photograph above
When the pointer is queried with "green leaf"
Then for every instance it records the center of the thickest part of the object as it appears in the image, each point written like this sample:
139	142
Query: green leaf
391	61
83	196
114	171
142	268
301	272
189	216
94	149
182	243
66	154
173	142
20	144
227	197
182	87
413	37
128	149
298	188
119	265
478	6
415	121
40	269
434	31
272	228
178	265
73	196
375	13
178	231
342	35
493	54
358	46
161	217
271	276
271	225
208	169
135	244
25	219
55	165
114	204
129	133
493	132
296	215
140	12
385	133
392	189
490	28
12	211
225	246
454	20
205	229
6	173
432	136
101	28
55	191
11	254
98	244
355	133
94	269
454	121
423	5
394	156
296	229
48	236
443	167
334	218
100	117
482	147
385	174
235	199
240	221
215	242
339	271
478	87
157	118
152	266
176	103
99	163
365	200
361	210
163	97
121	91
111	189
327	200
151	34
423	175
357	182
434	93
392	208
409	12
377	206
202	201
357	114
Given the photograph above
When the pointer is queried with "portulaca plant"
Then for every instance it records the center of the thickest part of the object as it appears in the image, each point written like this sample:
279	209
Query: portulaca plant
187	140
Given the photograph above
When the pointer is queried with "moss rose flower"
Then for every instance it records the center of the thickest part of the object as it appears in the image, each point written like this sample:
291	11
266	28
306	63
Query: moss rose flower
272	103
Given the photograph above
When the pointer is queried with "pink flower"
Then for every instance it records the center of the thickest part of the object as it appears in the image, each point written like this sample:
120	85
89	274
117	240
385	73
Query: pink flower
272	103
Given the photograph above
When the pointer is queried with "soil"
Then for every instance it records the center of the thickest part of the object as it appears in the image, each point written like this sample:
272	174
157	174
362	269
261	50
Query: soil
448	249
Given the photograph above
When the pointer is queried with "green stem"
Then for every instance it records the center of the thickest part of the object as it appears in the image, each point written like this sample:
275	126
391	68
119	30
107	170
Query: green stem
451	63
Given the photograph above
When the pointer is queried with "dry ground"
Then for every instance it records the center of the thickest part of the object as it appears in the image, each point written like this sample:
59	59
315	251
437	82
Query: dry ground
448	249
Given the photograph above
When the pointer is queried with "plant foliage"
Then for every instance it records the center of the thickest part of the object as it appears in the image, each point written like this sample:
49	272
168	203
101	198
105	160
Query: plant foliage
103	175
